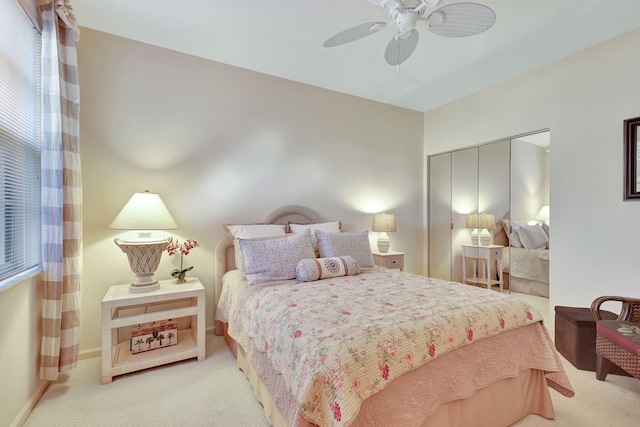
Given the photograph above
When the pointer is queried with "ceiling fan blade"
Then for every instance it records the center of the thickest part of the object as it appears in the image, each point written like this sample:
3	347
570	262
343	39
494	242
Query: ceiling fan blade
355	33
461	20
400	49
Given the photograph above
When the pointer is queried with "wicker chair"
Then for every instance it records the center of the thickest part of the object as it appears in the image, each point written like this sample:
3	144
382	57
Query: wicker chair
618	341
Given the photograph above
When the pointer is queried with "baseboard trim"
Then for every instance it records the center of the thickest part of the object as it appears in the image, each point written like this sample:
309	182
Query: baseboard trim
89	353
30	404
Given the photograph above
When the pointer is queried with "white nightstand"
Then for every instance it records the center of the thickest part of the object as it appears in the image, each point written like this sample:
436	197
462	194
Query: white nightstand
489	256
389	259
117	359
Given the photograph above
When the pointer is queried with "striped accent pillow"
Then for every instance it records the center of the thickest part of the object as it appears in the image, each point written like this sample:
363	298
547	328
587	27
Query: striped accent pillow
311	269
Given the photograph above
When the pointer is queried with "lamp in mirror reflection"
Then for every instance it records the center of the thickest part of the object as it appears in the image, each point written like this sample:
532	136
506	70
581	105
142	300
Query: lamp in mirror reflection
481	224
384	223
144	213
543	214
486	222
472	222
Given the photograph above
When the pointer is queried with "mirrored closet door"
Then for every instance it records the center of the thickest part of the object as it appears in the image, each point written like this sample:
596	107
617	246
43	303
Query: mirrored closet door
481	199
528	239
468	193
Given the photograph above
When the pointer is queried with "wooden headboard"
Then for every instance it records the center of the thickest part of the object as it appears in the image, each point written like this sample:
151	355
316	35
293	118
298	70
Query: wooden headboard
225	254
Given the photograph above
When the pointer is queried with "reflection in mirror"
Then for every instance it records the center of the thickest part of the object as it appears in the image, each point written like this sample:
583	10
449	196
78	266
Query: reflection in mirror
527	227
631	160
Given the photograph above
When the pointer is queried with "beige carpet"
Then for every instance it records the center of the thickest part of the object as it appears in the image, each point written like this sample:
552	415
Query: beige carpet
215	393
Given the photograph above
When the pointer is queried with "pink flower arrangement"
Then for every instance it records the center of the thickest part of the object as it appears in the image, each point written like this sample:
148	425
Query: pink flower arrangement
184	249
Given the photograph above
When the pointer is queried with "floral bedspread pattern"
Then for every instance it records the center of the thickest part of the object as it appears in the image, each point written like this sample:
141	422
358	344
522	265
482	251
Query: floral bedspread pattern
338	341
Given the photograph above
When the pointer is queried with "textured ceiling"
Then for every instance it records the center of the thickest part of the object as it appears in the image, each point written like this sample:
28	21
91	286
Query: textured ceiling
284	38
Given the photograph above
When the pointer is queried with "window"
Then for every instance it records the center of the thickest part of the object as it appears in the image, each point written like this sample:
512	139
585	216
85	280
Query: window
19	144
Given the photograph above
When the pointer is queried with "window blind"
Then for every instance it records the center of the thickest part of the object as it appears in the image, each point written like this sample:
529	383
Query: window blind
19	143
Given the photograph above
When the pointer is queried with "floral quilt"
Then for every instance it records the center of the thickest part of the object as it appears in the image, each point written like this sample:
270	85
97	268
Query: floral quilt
338	341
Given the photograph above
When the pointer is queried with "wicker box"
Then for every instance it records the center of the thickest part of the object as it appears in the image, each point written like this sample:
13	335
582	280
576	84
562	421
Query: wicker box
575	336
151	336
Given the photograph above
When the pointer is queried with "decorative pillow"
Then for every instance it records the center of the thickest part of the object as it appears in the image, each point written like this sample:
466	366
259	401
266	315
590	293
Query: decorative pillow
309	270
533	237
511	229
355	245
327	227
274	258
251	231
545	227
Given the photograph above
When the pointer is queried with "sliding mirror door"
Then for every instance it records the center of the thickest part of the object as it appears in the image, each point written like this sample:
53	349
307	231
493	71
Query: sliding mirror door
529	236
464	183
440	216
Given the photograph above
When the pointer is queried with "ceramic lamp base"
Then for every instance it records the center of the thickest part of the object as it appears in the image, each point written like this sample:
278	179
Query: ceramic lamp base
485	237
474	237
383	242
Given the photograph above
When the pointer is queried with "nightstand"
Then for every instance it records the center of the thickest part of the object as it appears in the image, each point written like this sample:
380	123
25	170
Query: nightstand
121	308
389	259
490	258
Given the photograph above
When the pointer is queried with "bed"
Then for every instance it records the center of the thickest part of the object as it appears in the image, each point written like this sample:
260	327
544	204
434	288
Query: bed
527	264
380	347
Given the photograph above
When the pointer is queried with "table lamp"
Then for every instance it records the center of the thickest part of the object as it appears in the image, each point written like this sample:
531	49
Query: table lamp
472	222
486	222
543	214
384	223
144	212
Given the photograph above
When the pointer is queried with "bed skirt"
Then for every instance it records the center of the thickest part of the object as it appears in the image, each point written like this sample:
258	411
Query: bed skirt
501	403
528	286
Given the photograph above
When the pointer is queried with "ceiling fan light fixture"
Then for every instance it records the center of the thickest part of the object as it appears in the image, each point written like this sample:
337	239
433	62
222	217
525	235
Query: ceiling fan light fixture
407	21
451	19
435	19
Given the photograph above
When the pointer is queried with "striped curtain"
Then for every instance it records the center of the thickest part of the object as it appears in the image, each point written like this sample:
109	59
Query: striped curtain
61	191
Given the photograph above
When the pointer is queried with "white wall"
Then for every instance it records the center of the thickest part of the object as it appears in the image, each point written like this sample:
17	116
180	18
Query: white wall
583	100
222	145
529	179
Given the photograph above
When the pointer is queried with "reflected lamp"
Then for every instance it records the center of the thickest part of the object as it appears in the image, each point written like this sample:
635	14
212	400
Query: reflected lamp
543	214
472	222
486	222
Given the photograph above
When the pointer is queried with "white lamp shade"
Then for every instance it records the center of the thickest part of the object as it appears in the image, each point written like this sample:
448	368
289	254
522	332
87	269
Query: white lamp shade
543	215
144	211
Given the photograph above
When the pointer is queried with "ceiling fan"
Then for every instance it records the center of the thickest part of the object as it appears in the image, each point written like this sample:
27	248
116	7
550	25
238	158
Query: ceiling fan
449	20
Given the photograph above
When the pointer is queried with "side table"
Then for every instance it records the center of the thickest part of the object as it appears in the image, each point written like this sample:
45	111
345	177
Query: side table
490	258
389	259
117	359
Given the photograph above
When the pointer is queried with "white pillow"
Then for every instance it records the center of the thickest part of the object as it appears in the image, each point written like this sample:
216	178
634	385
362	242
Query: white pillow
309	270
274	258
327	227
533	237
355	245
514	238
251	231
